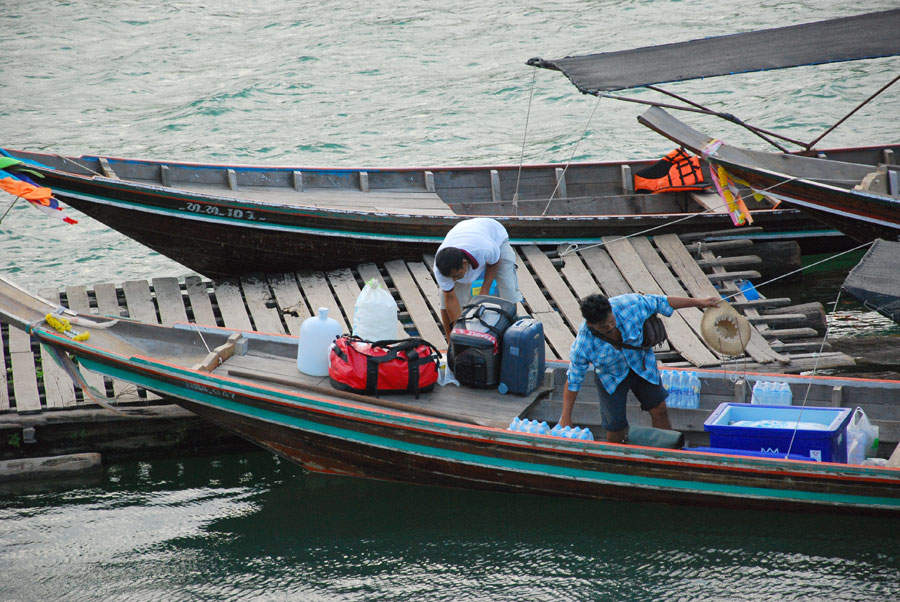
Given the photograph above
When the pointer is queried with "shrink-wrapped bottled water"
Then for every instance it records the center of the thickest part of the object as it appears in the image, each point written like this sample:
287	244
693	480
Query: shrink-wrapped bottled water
524	425
785	397
772	393
759	393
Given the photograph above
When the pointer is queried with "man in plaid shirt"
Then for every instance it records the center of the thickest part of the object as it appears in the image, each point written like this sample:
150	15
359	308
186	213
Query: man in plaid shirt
618	369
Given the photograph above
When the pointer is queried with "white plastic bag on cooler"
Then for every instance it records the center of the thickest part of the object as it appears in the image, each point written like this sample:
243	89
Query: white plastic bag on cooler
862	438
375	313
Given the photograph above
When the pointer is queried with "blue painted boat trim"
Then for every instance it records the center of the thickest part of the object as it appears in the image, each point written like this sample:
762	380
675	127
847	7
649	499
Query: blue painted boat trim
694	487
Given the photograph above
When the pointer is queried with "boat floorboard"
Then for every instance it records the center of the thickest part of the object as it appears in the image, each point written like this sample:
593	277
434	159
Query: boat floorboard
551	286
488	408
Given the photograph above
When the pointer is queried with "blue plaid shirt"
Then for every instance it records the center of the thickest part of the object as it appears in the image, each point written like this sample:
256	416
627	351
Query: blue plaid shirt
610	363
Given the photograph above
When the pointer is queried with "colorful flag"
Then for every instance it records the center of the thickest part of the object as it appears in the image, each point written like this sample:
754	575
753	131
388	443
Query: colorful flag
14	181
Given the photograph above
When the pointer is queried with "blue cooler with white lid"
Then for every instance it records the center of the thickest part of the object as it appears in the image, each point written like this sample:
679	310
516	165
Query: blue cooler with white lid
814	432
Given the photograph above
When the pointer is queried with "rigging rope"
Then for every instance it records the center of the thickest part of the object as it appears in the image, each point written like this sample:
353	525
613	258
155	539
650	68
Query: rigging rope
524	138
829	258
815	367
575	247
8	209
572	156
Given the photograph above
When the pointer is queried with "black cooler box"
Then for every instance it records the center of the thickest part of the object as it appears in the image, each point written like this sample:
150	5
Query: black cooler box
476	339
522	362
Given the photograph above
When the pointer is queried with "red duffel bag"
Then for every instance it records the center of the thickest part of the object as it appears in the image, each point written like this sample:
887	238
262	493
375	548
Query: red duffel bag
370	368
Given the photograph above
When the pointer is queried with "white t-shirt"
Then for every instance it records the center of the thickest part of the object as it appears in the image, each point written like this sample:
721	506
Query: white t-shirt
481	238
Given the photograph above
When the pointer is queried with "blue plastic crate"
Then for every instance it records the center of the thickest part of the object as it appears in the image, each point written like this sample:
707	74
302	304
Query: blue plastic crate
821	433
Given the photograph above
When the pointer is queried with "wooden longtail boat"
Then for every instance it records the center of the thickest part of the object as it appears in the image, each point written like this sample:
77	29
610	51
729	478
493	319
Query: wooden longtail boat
860	200
248	383
222	220
858	197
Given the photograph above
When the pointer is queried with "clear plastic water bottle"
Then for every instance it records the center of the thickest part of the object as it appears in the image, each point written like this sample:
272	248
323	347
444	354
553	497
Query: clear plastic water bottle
587	435
545	428
783	396
757	393
556	430
788	395
762	393
769	393
514	425
665	379
678	390
695	391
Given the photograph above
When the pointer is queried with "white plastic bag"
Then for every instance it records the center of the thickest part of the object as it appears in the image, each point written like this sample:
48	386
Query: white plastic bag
862	438
445	374
375	313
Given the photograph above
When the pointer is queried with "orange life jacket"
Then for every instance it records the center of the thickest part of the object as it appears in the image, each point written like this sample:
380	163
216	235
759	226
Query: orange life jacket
675	172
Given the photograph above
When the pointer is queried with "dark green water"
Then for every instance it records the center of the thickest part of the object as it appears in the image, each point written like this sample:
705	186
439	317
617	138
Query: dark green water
254	527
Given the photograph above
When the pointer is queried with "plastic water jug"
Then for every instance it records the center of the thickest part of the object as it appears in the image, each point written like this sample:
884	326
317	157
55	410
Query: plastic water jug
316	336
375	313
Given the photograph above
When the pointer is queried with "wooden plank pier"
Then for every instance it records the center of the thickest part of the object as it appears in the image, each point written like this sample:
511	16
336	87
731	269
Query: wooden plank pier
551	285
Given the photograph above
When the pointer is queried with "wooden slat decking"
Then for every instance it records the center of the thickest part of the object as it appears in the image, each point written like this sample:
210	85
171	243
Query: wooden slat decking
551	289
59	390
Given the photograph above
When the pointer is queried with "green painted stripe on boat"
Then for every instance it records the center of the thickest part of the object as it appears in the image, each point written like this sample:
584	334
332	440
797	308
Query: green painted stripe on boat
487	461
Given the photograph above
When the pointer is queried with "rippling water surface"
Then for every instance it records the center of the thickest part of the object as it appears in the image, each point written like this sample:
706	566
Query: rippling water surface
255	528
381	84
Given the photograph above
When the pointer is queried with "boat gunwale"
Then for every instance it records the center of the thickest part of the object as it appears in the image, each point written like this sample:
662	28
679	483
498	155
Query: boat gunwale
274	207
394	419
404	169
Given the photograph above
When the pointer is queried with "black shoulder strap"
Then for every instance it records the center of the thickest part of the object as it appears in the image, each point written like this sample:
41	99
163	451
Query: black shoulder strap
618	345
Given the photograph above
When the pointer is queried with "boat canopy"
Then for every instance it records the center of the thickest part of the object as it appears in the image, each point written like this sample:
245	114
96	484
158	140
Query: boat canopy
872	35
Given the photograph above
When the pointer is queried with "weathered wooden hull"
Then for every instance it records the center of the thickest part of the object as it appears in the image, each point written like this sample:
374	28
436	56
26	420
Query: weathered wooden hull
227	249
823	188
331	432
332	436
219	233
861	215
340	439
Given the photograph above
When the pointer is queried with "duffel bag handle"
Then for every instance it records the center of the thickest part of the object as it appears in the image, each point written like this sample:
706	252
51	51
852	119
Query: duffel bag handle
394	347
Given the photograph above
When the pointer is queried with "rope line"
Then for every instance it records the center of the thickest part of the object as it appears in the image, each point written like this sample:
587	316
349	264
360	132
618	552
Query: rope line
569	162
829	258
515	200
815	367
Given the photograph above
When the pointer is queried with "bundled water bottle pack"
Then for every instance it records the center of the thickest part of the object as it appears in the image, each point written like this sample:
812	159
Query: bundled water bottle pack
542	428
683	388
771	393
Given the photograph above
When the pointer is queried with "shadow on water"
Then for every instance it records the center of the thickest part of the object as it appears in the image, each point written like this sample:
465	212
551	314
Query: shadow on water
870	338
214	528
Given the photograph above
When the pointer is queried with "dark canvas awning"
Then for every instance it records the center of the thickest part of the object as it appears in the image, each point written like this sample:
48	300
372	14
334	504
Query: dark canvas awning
875	281
872	35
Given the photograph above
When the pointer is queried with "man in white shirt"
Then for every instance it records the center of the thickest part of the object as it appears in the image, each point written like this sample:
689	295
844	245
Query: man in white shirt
474	248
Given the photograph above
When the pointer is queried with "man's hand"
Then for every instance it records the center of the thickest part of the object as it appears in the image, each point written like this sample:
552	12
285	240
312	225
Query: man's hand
682	302
565	418
708	302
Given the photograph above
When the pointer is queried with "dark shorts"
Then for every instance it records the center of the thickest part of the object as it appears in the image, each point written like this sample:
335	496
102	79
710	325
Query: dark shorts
612	407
